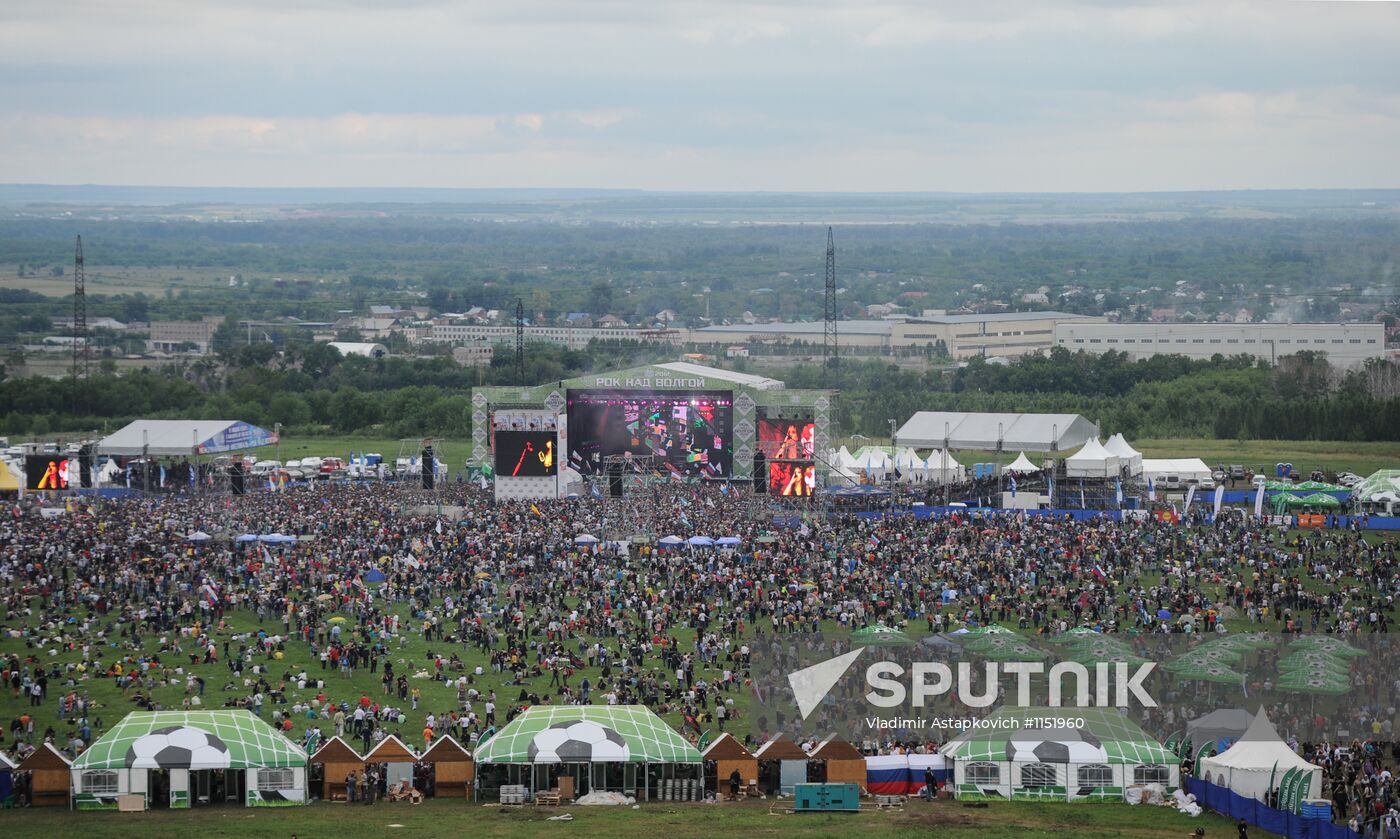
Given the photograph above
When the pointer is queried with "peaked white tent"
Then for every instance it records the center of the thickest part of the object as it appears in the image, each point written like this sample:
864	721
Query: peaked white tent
942	468
1258	759
872	462
1022	465
1128	456
910	467
1092	461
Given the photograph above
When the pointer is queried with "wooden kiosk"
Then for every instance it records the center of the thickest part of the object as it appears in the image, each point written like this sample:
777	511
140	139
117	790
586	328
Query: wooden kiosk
840	763
722	758
454	771
337	759
50	776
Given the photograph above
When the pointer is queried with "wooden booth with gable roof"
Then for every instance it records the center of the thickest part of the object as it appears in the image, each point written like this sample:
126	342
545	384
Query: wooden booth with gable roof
399	762
722	758
838	762
50	776
454	771
337	760
782	765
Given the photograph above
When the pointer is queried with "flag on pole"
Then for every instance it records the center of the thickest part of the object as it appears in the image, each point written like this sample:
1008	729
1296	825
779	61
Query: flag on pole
1151	493
1013	486
1118	491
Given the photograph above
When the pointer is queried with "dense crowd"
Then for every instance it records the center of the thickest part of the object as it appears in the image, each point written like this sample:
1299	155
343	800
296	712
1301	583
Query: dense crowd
510	610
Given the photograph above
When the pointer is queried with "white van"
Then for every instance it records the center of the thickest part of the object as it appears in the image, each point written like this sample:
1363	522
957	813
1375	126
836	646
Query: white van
264	467
311	464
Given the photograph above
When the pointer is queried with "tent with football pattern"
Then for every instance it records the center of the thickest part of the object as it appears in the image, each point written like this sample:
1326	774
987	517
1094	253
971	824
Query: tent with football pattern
613	748
185	755
1057	754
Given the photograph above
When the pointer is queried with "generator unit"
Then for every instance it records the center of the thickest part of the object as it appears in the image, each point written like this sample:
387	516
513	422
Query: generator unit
826	798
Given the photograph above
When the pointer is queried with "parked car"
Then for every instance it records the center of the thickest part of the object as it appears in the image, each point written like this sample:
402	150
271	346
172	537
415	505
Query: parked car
1236	472
265	467
1219	476
1260	480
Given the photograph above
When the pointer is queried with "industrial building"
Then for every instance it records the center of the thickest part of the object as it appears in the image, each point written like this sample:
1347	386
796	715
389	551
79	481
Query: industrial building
1346	344
572	337
963	336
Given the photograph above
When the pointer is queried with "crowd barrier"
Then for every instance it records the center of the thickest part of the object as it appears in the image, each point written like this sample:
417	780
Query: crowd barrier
1332	522
1262	816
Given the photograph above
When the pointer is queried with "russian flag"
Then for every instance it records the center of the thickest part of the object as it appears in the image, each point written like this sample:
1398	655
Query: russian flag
1099	574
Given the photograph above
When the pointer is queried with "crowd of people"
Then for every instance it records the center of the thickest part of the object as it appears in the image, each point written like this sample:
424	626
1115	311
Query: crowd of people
391	613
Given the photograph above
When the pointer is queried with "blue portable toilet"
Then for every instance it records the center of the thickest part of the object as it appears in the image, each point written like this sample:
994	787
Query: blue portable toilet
7	777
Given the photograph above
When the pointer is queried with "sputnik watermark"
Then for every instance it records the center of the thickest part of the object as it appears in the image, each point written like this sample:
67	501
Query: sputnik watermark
1108	684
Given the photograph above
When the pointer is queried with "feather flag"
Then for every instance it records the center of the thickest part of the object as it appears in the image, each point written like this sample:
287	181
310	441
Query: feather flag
1219	497
1013	486
1259	501
1118	491
1190	496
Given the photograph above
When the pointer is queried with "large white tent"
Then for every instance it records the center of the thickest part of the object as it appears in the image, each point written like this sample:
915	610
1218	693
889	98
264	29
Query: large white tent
872	462
1092	461
983	432
1186	468
1258	759
184	438
1117	445
909	465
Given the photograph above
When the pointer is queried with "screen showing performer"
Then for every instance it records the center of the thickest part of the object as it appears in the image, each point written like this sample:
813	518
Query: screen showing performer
44	472
687	434
787	439
526	454
792	478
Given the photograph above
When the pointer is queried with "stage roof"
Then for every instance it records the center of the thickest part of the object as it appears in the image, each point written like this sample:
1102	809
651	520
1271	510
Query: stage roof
185	438
675	375
1018	432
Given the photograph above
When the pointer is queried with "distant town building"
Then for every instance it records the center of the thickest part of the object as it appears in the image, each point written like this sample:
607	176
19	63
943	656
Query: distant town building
365	350
963	336
171	335
474	354
1346	344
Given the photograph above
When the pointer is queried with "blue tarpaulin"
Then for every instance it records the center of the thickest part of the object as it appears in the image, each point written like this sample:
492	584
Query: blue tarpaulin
1236	806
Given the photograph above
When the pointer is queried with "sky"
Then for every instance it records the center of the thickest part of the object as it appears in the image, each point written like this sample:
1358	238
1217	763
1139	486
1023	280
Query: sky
784	95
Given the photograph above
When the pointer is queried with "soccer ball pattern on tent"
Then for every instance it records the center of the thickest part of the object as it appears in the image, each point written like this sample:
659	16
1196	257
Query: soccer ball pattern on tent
643	736
172	739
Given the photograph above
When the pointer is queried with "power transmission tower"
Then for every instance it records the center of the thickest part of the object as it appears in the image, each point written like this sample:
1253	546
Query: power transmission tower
520	340
80	330
831	350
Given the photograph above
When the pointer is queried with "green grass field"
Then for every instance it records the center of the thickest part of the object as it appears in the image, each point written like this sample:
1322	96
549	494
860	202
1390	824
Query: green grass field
445	818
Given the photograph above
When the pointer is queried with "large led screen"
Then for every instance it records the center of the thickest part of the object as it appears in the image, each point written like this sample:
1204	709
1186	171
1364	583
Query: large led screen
48	471
792	478
526	454
687	434
787	439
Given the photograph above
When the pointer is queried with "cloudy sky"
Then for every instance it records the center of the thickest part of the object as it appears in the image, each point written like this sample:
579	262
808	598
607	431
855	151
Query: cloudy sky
710	95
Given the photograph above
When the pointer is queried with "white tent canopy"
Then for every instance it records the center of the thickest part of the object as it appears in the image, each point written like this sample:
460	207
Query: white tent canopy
184	438
941	467
872	462
1022	465
1029	432
1247	767
1128	456
1187	468
1092	461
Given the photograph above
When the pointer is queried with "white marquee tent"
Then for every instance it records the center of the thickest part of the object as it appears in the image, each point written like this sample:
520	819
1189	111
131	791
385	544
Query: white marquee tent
941	467
1258	759
1022	465
1128	456
1186	468
184	438
1092	461
1028	432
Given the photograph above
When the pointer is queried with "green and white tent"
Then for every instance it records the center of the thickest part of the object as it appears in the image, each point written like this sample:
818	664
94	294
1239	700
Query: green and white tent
625	748
1013	756
252	759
